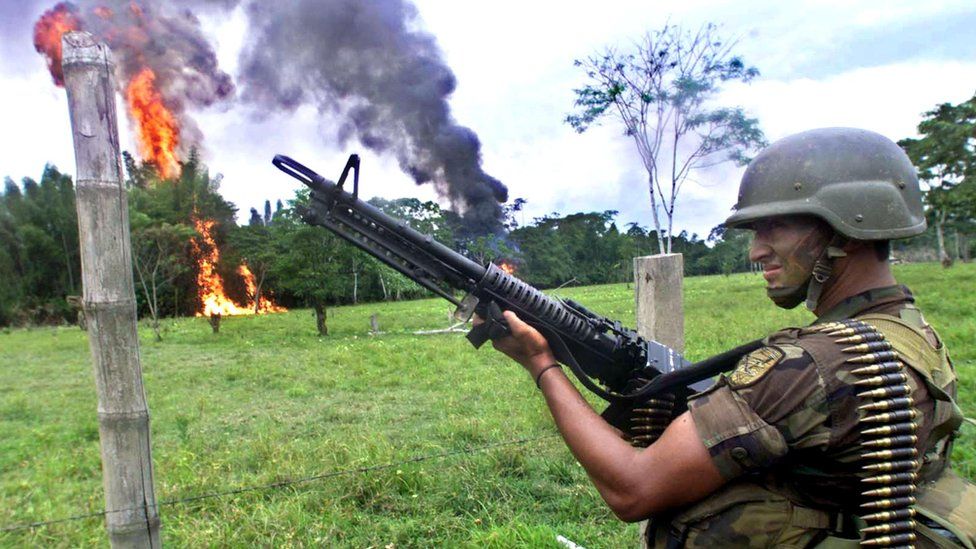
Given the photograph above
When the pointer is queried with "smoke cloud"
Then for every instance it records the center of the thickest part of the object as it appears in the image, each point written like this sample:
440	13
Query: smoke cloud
384	81
170	43
364	65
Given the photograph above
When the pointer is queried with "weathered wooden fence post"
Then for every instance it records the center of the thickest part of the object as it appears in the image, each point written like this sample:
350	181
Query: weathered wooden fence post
658	292
132	519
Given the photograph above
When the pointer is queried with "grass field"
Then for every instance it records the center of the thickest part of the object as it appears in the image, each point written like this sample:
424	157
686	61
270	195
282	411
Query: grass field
268	400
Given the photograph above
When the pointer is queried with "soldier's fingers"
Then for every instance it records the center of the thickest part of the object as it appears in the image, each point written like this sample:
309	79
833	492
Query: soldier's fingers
519	328
475	320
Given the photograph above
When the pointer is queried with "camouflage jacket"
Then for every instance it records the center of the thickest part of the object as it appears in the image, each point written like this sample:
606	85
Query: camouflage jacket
783	429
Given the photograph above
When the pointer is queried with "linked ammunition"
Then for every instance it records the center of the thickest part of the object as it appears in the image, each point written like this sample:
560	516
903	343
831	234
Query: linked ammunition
646	428
896	429
881	356
886	379
892	453
891	442
903	465
893	478
886	392
894	403
899	526
865	337
874	369
900	514
871	347
891	417
889	540
889	503
891	491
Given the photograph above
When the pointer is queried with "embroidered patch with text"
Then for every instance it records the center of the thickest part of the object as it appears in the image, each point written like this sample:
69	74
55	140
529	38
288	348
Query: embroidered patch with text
755	365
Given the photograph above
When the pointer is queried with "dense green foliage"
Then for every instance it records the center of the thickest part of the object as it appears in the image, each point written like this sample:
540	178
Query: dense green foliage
39	261
945	156
267	400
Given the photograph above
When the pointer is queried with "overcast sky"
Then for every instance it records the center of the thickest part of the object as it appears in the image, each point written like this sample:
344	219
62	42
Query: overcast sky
877	65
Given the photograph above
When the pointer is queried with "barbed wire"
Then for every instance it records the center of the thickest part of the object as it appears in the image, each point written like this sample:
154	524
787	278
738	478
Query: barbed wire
280	484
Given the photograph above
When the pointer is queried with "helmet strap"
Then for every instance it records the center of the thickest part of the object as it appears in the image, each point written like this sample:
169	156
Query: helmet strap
823	269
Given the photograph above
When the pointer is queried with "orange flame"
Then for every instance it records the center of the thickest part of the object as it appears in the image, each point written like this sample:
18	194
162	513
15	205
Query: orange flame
157	131
211	286
47	36
507	267
266	305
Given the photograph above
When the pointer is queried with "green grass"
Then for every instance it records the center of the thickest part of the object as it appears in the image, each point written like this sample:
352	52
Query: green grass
267	399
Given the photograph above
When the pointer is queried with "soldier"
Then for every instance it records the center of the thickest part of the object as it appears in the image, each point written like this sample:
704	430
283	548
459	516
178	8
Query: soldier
830	435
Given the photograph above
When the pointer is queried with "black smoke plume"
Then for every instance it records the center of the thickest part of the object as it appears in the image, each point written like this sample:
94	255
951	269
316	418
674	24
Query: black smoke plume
366	64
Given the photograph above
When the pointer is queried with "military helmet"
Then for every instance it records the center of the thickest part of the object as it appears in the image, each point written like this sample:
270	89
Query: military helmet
858	181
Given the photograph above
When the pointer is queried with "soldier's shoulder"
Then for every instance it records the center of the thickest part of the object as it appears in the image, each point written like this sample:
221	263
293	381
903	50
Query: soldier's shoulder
781	353
821	345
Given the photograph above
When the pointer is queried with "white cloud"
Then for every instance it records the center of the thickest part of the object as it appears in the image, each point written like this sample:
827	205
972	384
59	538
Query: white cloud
888	99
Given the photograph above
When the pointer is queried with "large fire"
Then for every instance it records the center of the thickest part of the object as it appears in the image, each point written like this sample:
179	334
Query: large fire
211	286
156	129
47	36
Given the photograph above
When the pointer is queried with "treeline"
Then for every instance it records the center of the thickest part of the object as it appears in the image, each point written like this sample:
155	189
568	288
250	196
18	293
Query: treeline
297	265
293	264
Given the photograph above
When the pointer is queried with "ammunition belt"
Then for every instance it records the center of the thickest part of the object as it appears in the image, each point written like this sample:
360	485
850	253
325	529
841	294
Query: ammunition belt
649	419
888	434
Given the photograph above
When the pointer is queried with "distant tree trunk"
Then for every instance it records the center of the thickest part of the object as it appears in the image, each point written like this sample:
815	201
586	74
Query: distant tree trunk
155	314
320	322
68	266
355	286
150	294
386	294
657	221
940	238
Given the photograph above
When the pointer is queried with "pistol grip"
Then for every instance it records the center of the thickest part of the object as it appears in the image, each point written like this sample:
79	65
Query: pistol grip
494	326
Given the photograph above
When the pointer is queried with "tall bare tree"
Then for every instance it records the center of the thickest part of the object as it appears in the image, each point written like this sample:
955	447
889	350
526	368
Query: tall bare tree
662	91
159	256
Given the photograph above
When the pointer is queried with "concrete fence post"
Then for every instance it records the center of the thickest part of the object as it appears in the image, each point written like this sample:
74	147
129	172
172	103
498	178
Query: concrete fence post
658	281
109	299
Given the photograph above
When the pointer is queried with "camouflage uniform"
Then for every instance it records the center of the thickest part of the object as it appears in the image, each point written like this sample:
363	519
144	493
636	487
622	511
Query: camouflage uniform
783	429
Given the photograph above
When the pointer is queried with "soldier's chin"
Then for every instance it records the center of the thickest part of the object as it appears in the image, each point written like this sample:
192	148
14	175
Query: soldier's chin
787	297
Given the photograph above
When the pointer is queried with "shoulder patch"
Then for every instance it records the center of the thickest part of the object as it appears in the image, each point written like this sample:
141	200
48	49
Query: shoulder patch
755	365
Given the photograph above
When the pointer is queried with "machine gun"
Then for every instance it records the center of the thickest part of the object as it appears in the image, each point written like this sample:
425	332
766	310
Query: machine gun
610	360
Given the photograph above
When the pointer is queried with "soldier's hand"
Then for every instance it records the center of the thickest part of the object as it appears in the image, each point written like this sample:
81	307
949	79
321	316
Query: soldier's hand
526	345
